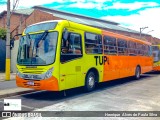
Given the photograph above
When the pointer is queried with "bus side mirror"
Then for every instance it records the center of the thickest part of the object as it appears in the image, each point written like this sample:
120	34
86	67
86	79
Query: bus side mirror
13	39
12	43
65	34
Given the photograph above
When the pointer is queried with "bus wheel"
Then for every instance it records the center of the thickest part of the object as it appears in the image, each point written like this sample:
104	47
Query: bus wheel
90	81
137	72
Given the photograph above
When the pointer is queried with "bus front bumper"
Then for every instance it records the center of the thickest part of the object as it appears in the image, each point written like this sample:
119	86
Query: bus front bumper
156	68
50	84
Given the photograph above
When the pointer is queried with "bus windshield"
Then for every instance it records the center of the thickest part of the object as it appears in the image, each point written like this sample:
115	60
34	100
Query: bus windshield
37	49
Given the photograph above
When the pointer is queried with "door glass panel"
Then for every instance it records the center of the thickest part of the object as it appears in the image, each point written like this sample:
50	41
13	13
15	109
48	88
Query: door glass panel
71	48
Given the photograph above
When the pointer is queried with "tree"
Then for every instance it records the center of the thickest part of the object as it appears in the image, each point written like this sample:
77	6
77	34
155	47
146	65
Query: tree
3	33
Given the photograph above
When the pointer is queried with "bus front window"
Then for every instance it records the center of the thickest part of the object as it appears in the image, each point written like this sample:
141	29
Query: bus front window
37	49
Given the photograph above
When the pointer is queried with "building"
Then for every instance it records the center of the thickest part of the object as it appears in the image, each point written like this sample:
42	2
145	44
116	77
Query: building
17	17
42	13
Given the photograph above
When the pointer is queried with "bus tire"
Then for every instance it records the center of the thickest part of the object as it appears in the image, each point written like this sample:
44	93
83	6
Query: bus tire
90	81
138	72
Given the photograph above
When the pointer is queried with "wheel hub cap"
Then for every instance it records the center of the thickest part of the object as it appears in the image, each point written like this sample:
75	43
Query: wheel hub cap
91	81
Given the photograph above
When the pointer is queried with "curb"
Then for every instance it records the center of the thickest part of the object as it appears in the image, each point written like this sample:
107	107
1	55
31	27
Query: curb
6	80
3	77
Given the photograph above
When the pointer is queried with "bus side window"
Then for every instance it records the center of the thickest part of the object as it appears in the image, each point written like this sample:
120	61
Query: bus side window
122	47
110	46
132	50
93	43
71	48
146	50
140	49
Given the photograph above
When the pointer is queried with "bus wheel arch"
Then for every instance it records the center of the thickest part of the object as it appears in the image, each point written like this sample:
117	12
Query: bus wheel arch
138	72
92	77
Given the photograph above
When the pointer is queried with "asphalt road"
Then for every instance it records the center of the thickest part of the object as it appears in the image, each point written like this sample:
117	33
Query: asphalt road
123	94
8	85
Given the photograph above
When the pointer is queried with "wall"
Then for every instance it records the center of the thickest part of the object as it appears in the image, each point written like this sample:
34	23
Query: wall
15	20
3	22
14	53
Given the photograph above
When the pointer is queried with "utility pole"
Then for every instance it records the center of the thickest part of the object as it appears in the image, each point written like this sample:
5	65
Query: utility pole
7	70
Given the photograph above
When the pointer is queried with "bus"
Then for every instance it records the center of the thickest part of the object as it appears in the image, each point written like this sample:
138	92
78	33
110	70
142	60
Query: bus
58	55
156	55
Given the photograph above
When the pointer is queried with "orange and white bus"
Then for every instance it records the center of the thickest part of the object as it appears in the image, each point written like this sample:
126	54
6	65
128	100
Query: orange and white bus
156	55
59	55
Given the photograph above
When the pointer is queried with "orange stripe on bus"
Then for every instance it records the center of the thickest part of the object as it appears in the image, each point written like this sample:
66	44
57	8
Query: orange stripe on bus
50	84
156	68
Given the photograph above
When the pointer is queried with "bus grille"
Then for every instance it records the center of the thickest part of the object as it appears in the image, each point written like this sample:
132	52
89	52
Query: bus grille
32	70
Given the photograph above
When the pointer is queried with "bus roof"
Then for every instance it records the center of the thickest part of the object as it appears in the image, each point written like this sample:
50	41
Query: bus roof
85	28
124	37
95	30
98	31
45	22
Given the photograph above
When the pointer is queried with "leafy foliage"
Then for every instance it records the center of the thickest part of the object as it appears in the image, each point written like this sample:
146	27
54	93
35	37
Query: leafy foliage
3	33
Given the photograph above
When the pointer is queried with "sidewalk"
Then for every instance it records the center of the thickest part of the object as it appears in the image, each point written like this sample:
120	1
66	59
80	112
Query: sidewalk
8	87
2	76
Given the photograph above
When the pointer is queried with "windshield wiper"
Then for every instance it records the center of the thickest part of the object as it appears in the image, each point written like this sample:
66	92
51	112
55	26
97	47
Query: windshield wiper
44	35
28	35
28	39
36	42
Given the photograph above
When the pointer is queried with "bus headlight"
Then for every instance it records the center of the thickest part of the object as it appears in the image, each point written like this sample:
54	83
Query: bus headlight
20	74
48	74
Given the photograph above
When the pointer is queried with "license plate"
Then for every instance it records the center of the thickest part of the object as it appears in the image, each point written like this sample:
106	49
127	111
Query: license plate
30	83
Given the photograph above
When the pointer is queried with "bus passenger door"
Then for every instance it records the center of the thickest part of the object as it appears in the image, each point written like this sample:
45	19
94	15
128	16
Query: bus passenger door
70	65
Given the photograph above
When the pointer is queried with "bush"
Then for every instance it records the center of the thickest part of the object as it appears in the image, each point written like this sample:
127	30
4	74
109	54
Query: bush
3	33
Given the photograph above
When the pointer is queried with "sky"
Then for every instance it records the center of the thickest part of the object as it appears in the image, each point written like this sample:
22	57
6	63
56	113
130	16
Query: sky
133	14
